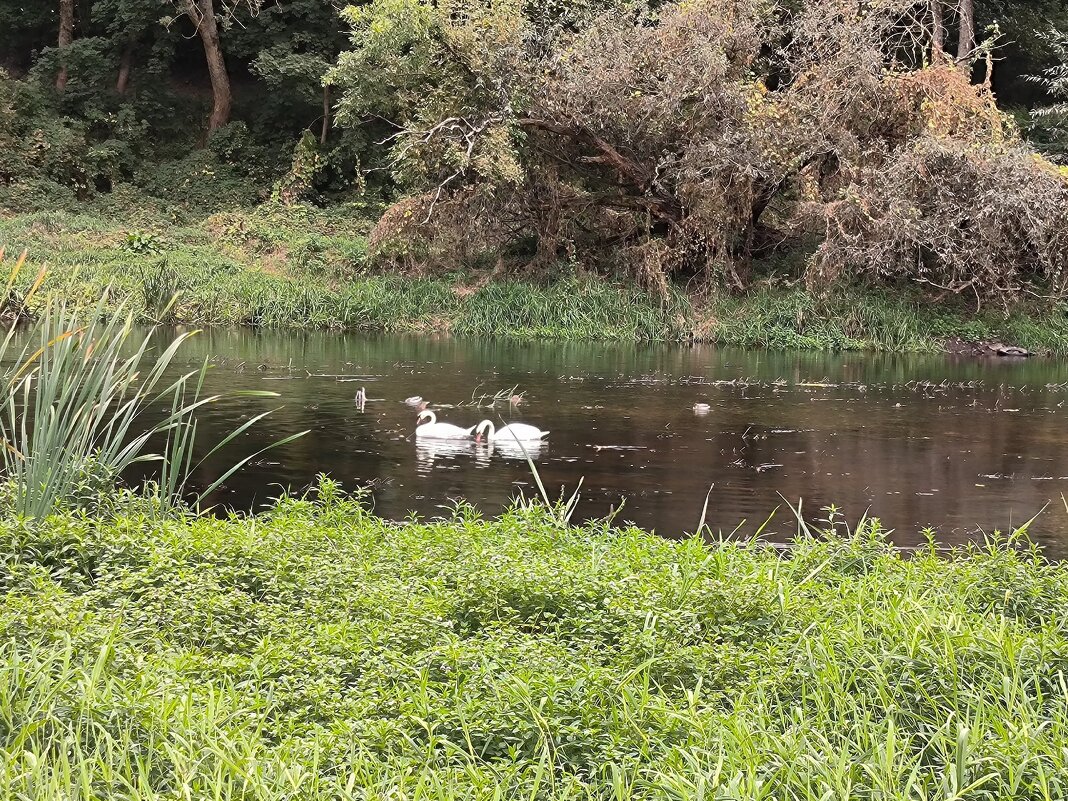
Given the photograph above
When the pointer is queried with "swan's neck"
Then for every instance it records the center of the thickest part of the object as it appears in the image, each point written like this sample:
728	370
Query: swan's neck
431	418
489	429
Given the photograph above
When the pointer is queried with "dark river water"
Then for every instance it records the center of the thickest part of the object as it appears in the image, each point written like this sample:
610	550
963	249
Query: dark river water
961	445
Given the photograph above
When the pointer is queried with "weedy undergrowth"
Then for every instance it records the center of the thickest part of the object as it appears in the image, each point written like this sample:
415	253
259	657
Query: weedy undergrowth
317	652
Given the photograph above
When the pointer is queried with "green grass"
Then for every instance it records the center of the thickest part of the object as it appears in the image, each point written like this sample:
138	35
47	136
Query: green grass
302	267
571	308
894	320
318	652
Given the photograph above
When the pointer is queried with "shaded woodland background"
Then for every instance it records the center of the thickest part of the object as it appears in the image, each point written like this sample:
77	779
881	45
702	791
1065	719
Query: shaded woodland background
701	142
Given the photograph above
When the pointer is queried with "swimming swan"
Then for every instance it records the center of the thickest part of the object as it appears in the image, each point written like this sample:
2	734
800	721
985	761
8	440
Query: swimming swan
437	430
513	432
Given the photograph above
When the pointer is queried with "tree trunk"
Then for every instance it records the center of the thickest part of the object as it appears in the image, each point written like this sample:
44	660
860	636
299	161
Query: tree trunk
66	36
123	81
938	31
326	115
202	12
966	43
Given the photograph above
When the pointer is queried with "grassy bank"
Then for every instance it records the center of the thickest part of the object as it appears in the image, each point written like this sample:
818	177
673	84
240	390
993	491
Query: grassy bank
304	268
300	268
318	652
882	320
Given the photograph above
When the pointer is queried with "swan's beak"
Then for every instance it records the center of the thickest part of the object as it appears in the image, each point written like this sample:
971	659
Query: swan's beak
478	437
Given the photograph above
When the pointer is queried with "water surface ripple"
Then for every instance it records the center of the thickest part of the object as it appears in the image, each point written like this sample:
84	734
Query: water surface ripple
965	446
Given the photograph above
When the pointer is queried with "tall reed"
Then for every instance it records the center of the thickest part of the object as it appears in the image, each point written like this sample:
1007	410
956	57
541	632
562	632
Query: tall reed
81	397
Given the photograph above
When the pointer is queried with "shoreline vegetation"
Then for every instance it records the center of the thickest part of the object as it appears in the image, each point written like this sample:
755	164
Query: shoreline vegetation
484	170
298	268
318	652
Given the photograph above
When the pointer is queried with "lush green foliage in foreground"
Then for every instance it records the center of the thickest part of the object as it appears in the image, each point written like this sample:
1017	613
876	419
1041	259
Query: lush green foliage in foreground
318	652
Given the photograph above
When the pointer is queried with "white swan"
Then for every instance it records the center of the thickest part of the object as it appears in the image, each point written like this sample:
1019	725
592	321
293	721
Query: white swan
437	430
513	432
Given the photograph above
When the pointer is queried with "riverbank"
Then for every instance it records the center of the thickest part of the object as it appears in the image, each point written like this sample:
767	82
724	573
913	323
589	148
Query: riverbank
301	267
319	652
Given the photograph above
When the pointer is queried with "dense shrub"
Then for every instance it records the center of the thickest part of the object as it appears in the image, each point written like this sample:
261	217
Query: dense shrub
202	182
684	140
1048	125
41	143
991	222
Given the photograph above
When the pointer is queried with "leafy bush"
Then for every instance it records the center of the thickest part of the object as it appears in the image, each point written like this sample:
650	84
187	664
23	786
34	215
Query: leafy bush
1049	124
201	182
235	146
41	143
30	195
686	140
318	652
990	223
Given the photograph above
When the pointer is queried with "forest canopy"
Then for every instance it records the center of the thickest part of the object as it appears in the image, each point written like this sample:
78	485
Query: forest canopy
722	142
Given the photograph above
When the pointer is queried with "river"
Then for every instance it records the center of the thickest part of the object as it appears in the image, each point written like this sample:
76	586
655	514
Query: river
962	445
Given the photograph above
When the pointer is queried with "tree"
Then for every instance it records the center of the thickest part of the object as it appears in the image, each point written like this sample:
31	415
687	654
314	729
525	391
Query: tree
207	23
202	13
290	47
938	30
66	36
966	41
1049	123
121	33
655	139
688	141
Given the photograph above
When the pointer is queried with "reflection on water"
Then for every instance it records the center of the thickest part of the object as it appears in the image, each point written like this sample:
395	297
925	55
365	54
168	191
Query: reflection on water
448	454
451	454
504	448
965	446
